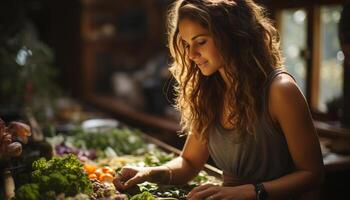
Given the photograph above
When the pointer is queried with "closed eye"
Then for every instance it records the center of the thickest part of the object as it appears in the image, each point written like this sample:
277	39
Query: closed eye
202	42
199	42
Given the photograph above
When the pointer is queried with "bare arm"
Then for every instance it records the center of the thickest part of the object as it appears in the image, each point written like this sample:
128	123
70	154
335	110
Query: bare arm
288	108
183	168
192	159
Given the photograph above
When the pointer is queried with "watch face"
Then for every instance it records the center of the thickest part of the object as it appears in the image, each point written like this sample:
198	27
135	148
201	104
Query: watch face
259	195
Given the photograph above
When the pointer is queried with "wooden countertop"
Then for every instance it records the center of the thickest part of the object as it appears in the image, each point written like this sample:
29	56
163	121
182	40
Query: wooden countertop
333	161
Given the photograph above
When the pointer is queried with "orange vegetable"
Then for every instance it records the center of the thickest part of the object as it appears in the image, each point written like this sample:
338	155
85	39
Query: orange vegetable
90	168
108	170
92	176
98	172
105	177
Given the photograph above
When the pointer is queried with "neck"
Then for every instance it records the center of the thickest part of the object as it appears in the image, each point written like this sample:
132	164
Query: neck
224	77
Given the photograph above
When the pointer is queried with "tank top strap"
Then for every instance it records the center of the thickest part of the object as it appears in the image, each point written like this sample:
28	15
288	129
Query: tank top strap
272	75
266	118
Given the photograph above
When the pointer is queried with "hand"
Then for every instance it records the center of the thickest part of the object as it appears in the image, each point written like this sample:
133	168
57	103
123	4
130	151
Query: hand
214	192
130	176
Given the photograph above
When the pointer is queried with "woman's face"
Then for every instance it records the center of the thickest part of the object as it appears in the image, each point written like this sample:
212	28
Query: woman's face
200	46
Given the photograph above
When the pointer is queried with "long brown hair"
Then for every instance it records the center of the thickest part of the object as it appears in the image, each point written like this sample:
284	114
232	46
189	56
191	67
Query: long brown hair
249	45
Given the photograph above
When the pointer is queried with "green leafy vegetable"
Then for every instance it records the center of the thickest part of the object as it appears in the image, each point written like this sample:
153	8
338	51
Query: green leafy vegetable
58	175
28	192
157	158
143	196
123	141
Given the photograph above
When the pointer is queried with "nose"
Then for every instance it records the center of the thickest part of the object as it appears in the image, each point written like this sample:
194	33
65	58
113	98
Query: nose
193	53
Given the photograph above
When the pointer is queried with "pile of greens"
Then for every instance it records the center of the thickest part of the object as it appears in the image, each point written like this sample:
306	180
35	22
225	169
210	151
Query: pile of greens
122	141
143	196
60	175
166	191
154	191
157	158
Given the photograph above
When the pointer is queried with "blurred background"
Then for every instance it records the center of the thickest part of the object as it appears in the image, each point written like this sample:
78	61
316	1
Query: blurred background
68	60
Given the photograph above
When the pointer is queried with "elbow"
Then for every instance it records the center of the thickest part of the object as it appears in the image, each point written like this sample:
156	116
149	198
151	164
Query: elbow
183	170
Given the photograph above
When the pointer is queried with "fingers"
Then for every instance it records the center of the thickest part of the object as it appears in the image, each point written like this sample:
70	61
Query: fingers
133	181
129	177
118	182
202	192
123	176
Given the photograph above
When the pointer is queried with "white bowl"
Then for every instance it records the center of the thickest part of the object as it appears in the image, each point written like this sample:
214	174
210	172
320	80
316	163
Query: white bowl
99	125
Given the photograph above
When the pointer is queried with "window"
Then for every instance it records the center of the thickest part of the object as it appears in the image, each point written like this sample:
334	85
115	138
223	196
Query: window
326	61
331	71
293	39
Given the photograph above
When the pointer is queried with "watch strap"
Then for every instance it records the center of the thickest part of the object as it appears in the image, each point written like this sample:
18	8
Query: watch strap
261	193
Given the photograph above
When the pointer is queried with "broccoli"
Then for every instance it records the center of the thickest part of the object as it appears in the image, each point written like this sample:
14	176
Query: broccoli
28	192
58	175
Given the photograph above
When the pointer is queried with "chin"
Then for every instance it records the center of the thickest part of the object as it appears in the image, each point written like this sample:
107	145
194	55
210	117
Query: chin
207	72
204	74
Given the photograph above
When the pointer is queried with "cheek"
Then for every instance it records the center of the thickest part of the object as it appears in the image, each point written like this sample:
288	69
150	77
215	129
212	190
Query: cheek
214	53
216	57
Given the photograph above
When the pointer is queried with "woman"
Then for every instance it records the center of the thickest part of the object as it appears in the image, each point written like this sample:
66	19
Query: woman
237	105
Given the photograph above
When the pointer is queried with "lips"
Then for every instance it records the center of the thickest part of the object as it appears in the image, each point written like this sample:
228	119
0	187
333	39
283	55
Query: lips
202	63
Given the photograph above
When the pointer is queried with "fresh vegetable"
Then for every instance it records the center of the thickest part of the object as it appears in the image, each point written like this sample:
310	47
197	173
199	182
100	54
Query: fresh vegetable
103	190
143	196
103	174
11	136
58	175
28	192
157	158
166	191
82	154
122	141
14	149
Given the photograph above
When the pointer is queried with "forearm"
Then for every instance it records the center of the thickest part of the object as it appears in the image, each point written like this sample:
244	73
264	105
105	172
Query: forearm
294	184
177	171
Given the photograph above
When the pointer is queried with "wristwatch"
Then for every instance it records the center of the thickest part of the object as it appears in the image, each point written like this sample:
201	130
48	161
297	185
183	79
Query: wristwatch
261	193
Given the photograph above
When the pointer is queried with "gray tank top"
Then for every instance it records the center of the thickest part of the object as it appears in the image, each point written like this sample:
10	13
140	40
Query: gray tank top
254	159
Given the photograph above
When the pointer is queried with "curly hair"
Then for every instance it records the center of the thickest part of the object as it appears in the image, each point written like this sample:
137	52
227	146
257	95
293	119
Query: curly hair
249	45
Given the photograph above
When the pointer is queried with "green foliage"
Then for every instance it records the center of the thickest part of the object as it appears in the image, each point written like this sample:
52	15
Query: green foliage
157	158
28	192
166	191
58	175
143	196
123	141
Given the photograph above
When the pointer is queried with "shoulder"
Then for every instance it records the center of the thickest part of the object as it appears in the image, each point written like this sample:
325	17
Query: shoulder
284	95
283	85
